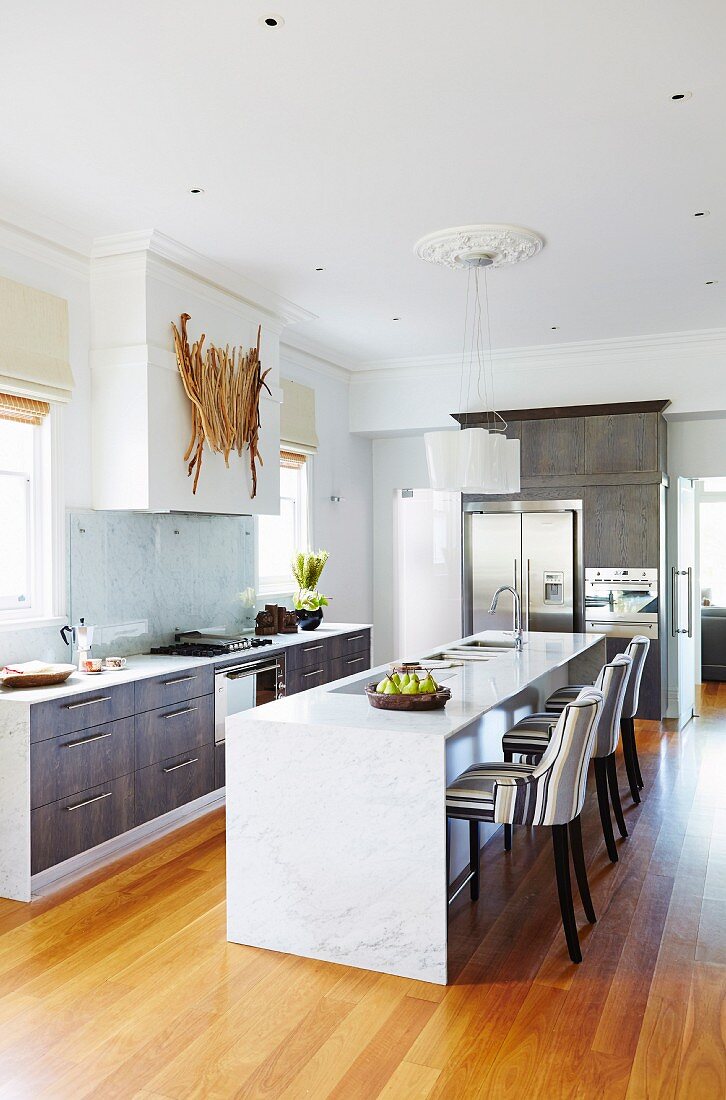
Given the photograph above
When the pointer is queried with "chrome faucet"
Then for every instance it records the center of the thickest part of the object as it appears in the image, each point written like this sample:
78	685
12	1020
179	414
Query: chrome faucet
517	627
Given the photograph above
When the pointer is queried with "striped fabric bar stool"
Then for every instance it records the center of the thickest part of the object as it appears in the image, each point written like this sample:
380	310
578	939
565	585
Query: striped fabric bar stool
637	650
530	737
551	792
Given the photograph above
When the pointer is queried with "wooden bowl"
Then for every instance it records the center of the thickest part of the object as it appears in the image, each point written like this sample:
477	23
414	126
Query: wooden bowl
426	700
56	675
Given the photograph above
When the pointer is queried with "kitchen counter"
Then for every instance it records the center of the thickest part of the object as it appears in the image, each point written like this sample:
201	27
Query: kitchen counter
336	835
139	666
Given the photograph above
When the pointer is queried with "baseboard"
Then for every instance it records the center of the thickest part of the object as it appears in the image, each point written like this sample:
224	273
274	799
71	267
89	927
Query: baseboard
63	873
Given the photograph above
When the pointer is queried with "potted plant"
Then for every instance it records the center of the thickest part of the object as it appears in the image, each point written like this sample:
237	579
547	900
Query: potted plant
308	602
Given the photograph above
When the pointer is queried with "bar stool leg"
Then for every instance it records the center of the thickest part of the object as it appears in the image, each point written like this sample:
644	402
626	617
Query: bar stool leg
507	838
578	859
564	889
631	722
612	773
630	766
603	801
474	854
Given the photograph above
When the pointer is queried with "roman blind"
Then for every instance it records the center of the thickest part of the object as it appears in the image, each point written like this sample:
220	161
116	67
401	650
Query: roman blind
292	460
297	418
34	344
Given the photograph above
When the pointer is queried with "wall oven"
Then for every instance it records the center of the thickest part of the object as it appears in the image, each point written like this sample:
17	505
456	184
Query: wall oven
621	602
246	684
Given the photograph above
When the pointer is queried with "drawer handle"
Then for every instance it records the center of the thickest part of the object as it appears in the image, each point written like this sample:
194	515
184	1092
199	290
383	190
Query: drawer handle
315	673
179	680
356	638
175	767
355	660
80	805
88	702
311	648
87	740
176	713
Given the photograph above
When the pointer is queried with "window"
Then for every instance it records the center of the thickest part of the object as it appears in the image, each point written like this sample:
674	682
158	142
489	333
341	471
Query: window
279	537
713	561
26	541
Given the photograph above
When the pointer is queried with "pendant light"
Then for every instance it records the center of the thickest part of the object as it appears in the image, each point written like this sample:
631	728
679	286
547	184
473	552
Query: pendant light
476	459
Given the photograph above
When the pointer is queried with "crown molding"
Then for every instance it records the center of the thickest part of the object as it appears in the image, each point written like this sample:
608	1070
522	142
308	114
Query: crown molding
586	353
65	255
202	269
312	356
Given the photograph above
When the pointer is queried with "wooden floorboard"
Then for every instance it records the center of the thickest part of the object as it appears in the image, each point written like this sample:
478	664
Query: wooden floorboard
122	985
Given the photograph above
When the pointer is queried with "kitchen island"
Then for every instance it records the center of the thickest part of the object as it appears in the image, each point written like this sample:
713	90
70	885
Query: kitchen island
336	824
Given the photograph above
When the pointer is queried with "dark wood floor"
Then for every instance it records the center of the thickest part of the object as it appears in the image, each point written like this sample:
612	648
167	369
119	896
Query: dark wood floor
124	985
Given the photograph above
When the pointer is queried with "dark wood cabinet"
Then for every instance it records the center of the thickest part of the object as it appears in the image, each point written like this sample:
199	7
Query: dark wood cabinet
348	666
306	655
172	782
177	687
622	526
552	447
305	678
80	821
348	645
174	729
77	761
322	659
68	713
616	444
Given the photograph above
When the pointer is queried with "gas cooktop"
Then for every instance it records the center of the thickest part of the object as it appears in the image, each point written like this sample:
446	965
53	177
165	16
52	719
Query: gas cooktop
193	643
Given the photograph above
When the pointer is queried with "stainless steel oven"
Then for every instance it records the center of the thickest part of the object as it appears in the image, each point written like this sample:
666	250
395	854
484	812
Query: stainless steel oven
621	602
246	684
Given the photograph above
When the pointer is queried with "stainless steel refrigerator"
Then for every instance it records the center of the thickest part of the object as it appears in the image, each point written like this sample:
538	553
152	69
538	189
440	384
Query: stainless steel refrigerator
532	551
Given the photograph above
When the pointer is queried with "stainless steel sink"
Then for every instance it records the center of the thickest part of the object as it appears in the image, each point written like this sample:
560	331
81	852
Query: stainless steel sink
478	644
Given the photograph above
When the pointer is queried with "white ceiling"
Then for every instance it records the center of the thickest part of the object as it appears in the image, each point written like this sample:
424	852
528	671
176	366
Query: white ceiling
340	138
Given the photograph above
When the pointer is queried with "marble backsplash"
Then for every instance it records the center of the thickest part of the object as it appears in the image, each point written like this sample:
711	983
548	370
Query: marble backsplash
168	572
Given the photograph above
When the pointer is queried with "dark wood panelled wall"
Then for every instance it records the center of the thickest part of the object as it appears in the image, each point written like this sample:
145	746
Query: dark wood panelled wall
613	458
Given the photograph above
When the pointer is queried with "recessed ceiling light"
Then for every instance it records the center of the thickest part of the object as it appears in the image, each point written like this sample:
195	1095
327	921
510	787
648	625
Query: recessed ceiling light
711	282
272	21
555	327
196	191
320	269
701	213
396	318
680	96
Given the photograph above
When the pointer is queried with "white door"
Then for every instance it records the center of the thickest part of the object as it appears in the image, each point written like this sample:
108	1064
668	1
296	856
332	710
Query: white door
684	610
427	571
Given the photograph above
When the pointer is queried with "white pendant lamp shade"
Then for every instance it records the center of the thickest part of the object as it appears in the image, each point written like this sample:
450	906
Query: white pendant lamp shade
473	461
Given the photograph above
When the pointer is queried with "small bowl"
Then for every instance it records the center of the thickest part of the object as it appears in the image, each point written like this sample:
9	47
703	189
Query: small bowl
425	700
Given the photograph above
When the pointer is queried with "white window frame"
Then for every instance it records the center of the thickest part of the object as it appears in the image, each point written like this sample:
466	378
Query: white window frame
46	534
277	586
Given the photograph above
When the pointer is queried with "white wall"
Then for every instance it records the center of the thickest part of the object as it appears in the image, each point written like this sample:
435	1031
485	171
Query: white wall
342	467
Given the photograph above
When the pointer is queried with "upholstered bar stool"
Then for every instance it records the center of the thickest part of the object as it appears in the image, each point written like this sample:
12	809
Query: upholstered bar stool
637	650
530	737
551	792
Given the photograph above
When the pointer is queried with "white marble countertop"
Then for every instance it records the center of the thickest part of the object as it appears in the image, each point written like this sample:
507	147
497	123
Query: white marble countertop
141	666
476	687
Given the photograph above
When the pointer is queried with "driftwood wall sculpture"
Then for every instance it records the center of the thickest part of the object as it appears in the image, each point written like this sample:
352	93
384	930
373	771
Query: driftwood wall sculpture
224	388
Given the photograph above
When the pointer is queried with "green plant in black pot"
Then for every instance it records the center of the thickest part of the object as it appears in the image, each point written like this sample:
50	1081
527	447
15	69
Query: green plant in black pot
309	603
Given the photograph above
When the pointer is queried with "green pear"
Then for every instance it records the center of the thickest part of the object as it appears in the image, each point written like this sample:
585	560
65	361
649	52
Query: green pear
411	687
396	679
391	688
382	686
428	685
404	680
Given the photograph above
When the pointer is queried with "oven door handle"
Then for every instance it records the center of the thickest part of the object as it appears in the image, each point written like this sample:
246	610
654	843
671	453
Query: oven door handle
253	670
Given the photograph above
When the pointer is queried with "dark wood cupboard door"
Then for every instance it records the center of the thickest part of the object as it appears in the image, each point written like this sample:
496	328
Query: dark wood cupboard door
345	645
77	761
72	825
173	687
220	765
307	678
67	713
172	730
621	444
621	526
173	782
553	447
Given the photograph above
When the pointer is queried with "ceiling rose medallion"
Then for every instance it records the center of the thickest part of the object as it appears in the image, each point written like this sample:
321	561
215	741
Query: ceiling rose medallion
476	459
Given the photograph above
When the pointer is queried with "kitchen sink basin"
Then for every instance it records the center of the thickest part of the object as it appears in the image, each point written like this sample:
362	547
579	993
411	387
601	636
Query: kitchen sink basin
506	644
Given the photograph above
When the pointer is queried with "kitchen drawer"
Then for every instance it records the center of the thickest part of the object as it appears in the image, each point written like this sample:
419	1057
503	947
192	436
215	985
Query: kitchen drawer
77	712
80	821
173	782
306	655
173	687
344	645
171	730
348	666
76	761
219	765
305	678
